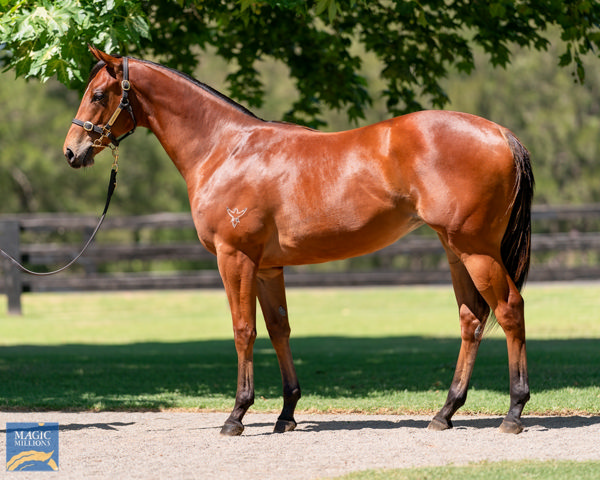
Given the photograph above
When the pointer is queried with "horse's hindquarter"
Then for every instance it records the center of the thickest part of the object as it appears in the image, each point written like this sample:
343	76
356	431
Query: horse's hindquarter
465	179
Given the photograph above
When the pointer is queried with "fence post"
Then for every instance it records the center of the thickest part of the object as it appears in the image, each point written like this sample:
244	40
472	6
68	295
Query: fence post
9	241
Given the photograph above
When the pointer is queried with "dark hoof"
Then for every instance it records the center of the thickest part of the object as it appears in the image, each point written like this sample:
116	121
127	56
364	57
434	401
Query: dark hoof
232	429
439	424
284	426
511	426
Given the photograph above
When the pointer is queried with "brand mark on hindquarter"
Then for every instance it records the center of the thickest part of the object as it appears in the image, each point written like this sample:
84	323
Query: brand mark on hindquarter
235	215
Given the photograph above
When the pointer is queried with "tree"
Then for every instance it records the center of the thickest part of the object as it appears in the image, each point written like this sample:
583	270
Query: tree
417	41
557	120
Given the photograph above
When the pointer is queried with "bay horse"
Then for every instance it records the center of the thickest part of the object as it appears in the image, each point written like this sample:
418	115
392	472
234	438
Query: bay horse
268	194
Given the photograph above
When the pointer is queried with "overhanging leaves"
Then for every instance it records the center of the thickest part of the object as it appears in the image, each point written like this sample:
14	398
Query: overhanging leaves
418	42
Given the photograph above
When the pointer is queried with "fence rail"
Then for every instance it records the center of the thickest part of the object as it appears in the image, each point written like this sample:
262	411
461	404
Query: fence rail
569	249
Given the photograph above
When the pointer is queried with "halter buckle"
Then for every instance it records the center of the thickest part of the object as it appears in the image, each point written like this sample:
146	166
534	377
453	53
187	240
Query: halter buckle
88	126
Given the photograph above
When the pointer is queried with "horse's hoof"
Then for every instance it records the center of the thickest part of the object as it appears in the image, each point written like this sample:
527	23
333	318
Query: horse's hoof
511	426
284	426
439	424
232	429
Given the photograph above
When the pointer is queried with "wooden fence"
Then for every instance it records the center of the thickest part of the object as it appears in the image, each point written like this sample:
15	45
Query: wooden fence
140	253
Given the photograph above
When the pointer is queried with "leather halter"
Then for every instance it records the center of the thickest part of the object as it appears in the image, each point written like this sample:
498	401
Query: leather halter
105	131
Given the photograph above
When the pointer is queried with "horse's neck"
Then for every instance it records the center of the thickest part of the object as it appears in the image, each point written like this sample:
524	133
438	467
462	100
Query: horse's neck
189	121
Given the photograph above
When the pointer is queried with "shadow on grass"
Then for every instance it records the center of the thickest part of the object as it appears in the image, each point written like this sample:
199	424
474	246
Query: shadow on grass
192	374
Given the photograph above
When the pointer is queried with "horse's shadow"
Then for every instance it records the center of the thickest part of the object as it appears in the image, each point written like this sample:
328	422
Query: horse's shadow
316	425
85	426
547	423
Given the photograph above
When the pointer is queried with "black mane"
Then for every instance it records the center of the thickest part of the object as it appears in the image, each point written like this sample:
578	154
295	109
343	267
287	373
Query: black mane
205	87
187	77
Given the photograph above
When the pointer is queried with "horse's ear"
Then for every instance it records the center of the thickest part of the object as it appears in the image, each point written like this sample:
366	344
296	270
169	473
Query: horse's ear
95	52
114	63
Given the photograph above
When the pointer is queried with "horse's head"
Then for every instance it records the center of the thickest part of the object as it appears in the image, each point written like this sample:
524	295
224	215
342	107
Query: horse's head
99	122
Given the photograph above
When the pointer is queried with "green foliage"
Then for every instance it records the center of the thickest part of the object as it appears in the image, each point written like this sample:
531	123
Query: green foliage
47	38
418	42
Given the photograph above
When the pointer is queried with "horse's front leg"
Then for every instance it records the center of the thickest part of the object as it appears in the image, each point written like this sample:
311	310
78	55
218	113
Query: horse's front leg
239	278
271	295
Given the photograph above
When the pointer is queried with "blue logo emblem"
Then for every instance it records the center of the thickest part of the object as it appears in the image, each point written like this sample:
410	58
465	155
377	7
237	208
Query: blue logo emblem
31	447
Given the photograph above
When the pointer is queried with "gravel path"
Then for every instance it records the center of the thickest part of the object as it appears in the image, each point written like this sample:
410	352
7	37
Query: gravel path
184	445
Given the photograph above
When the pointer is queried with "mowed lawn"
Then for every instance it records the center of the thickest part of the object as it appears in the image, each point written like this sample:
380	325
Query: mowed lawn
365	349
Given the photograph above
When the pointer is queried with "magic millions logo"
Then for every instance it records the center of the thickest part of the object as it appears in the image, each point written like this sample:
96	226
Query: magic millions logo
31	447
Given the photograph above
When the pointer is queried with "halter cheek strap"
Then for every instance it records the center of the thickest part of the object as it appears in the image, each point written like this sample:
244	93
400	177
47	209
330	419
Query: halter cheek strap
105	131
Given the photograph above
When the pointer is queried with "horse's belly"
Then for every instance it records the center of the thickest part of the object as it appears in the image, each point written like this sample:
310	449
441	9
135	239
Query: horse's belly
319	240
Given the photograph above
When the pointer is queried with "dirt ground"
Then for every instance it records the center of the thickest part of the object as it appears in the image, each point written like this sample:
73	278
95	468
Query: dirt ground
186	445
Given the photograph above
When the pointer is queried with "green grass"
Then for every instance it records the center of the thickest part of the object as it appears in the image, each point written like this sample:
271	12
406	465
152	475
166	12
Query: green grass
370	350
489	471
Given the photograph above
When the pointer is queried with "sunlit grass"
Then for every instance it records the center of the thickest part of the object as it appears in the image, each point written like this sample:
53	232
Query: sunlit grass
367	349
488	471
552	311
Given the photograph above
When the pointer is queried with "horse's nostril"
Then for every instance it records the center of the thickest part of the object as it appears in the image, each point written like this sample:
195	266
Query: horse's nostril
70	156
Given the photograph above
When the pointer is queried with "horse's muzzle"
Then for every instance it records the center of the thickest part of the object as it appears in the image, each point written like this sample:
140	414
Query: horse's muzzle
78	161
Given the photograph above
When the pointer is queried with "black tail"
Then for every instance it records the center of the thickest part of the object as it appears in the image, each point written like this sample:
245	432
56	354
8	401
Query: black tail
516	243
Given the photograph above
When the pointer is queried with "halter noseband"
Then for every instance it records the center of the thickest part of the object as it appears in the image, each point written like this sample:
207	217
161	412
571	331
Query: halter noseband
105	132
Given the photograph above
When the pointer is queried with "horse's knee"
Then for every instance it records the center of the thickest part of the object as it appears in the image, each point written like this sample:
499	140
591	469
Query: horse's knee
244	336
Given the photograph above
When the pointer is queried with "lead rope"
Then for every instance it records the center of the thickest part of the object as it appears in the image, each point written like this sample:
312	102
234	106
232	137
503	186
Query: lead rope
111	188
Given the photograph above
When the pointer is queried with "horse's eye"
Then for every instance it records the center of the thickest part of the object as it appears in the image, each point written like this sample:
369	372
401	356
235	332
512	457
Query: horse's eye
98	97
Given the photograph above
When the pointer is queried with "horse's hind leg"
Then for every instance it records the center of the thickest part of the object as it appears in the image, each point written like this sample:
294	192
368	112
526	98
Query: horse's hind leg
500	292
271	295
473	312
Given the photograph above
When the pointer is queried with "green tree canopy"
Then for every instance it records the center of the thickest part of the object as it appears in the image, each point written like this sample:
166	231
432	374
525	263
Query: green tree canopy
417	42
